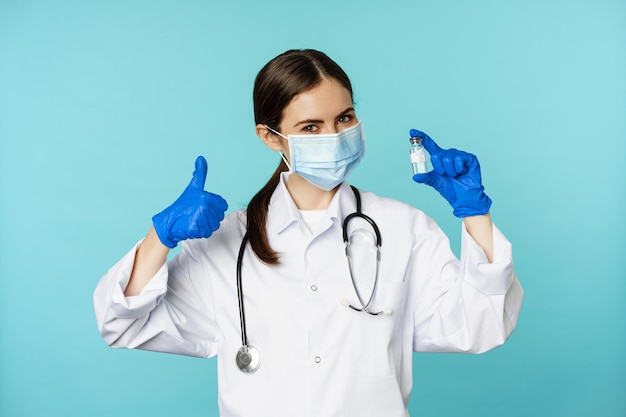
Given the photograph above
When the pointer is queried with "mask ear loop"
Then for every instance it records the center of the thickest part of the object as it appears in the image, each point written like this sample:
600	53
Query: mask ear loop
282	154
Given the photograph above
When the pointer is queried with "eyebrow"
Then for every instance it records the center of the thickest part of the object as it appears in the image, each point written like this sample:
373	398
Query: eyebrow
312	121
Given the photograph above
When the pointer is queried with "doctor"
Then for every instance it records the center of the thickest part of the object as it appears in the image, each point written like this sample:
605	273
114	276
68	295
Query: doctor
326	335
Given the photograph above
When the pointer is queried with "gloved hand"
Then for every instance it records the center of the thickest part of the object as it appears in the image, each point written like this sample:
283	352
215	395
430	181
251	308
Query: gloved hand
195	214
456	175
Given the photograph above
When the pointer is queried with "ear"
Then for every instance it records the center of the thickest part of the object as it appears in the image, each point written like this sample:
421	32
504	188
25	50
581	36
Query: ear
270	139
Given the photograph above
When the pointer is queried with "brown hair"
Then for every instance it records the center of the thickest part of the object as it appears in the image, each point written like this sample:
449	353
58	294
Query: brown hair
278	82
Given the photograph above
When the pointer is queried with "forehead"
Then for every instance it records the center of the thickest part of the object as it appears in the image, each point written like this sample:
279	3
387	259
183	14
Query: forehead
326	100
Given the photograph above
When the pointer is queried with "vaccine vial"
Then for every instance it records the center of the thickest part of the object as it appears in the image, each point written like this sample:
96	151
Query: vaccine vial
418	156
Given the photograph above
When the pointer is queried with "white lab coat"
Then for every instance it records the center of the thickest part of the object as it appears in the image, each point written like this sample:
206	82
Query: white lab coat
318	357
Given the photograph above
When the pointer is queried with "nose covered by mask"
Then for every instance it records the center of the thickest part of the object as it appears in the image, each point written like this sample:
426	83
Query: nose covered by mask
325	160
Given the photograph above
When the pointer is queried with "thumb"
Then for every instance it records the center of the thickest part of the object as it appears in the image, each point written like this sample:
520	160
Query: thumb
427	141
429	178
199	174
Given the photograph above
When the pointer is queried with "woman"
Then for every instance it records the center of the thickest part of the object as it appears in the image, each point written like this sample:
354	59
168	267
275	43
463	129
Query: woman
334	335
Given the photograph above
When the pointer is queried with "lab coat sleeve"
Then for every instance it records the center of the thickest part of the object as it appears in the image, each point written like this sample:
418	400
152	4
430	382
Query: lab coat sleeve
173	313
469	306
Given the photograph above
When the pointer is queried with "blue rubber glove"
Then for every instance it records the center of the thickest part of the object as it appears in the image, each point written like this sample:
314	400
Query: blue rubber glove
195	214
456	176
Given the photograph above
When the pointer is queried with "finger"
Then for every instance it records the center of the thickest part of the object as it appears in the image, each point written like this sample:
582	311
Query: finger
219	201
448	165
429	178
465	162
213	218
200	226
435	159
471	162
213	211
461	164
427	141
215	208
199	174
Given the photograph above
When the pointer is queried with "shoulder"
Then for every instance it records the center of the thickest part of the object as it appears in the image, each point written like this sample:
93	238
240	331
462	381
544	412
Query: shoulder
372	201
405	230
233	223
396	212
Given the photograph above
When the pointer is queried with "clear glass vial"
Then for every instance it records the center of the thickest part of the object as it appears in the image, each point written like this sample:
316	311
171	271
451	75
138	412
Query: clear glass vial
418	156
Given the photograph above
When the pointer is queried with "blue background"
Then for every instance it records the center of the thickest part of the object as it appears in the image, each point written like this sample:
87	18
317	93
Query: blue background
105	105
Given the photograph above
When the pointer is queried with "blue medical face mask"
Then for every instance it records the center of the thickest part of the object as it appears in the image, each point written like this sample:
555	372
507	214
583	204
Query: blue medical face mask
325	160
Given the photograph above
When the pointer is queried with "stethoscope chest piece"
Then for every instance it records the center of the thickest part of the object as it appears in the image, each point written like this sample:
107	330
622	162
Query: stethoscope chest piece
248	359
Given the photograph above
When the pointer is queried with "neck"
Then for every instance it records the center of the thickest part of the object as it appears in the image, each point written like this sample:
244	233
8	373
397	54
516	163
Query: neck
307	196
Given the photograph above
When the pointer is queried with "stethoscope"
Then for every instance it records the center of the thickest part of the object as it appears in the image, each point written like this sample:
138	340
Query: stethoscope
248	359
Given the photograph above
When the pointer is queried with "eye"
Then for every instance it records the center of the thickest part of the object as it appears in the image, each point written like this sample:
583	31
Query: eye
345	118
310	128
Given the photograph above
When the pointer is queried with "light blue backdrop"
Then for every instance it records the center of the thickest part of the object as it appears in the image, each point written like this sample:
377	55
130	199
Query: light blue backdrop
104	106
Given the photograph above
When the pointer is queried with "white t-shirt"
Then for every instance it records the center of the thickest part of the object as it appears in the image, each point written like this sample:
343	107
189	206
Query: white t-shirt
313	219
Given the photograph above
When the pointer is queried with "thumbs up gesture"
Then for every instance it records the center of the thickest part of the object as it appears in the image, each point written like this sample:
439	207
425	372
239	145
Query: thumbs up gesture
195	214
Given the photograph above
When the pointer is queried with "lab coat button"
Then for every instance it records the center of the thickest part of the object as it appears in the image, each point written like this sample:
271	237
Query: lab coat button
318	359
313	287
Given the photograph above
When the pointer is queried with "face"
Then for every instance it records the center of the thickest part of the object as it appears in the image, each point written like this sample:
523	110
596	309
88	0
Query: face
326	108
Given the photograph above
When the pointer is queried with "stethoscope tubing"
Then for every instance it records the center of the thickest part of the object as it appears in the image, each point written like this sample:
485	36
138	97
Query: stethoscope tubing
242	313
247	358
346	241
